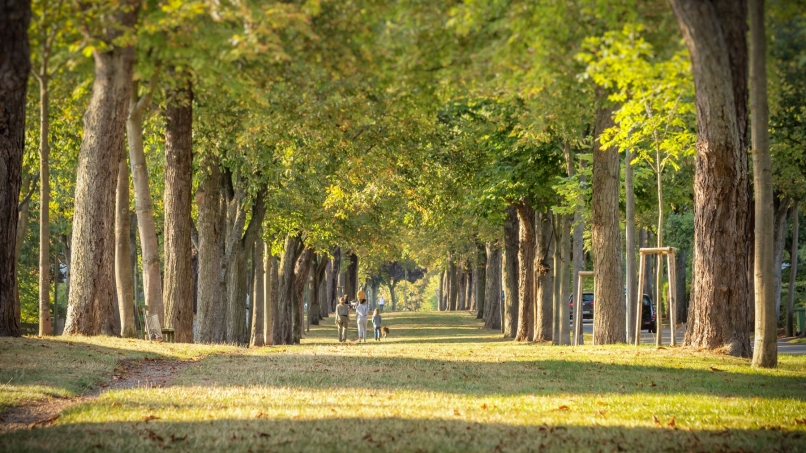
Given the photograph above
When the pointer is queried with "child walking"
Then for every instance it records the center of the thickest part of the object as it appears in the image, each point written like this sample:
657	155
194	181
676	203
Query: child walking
376	321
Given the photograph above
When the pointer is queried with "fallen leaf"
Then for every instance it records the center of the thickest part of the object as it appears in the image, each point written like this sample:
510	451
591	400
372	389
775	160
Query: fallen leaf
150	417
484	406
715	369
177	438
800	422
655	419
652	384
116	404
671	422
264	435
563	408
456	412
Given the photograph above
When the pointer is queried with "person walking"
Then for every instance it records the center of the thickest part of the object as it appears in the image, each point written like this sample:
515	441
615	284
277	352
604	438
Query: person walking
380	303
342	318
361	314
376	321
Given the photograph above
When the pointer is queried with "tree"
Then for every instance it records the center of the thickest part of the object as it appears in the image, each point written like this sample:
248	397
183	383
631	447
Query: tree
715	33
526	282
492	288
15	65
765	352
178	188
91	308
608	312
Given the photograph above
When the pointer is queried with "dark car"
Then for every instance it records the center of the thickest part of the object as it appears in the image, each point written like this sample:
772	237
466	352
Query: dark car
587	305
648	314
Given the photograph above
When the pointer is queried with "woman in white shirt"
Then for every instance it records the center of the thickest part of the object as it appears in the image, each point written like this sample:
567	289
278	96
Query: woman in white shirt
361	314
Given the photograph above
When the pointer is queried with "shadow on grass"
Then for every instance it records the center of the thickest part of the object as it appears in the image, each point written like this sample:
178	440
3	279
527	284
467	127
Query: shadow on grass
505	378
384	434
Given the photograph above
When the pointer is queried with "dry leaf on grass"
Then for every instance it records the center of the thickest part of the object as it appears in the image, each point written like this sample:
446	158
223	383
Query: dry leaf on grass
149	418
563	408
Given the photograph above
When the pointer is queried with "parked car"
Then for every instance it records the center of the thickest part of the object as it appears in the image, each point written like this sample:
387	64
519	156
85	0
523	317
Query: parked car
587	305
648	315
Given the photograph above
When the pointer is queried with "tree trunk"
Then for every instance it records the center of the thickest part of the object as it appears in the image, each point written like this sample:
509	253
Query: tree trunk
480	282
351	287
462	289
211	309
632	272
779	236
91	306
123	270
270	298
152	279
178	187
45	326
453	286
333	279
322	294
15	65
23	209
510	271
318	269
765	352
526	274
492	288
301	273
132	263
258	302
545	245
793	271
715	33
284	334
561	315
681	299
609	312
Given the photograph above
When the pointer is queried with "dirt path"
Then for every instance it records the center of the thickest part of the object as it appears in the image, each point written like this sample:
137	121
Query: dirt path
146	373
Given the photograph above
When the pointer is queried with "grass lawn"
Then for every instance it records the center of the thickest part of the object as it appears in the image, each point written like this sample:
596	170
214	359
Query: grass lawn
440	383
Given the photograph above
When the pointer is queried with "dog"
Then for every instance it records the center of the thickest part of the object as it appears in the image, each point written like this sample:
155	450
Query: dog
384	331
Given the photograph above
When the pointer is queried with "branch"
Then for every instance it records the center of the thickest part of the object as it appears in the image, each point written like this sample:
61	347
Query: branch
141	103
31	190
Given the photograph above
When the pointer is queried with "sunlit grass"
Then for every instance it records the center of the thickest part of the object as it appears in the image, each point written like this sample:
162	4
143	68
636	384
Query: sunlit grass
440	383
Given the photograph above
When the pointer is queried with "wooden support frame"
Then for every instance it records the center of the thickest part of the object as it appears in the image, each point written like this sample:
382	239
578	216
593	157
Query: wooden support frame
671	274
578	305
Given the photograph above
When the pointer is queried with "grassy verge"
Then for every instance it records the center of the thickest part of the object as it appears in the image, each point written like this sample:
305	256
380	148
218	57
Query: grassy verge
440	383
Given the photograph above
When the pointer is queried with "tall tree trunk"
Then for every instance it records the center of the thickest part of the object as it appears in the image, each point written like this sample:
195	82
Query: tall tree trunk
779	235
765	352
480	281
91	306
23	209
258	302
211	308
152	278
123	270
462	288
793	271
577	251
544	263
609	312
351	277
318	267
132	262
333	279
632	272
453	286
178	187
562	250
492	287
526	274
283	334
44	203
715	33
270	298
681	298
301	273
510	271
274	289
15	65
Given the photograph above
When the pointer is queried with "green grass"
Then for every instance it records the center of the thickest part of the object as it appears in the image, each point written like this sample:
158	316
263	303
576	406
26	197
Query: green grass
797	341
440	383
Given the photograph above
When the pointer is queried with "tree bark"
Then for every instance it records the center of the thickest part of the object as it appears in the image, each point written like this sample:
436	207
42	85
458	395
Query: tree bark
45	326
301	271
211	311
632	272
544	263
351	280
480	282
152	278
715	34
453	286
779	236
765	352
609	311
91	306
492	287
283	333
462	289
561	315
15	65
793	272
526	274
510	273
23	208
681	299
178	187
270	298
258	302
318	265
123	271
